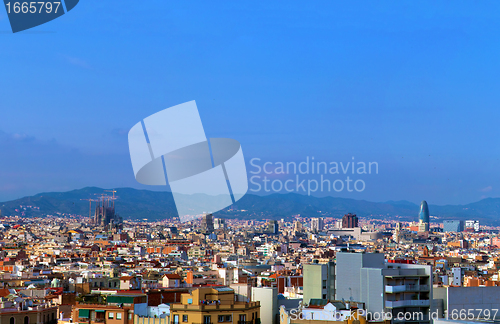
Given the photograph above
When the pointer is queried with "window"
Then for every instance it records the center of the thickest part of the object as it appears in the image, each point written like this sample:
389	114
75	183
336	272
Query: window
26	320
83	313
184	318
12	320
207	319
111	315
129	316
118	316
176	319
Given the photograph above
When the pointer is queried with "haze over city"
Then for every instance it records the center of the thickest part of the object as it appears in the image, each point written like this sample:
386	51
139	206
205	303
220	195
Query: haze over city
410	87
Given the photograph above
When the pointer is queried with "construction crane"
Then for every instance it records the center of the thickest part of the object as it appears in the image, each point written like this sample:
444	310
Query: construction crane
113	191
90	206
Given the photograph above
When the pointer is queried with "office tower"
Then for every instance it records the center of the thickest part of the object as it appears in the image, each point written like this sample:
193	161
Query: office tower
207	223
384	287
349	221
472	226
272	227
316	224
319	281
453	226
219	223
423	215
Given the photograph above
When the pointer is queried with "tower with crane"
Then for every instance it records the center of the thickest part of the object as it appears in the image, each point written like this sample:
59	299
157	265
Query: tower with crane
104	213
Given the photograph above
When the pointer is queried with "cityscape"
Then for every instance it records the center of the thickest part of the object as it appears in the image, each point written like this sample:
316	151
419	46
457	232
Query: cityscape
249	162
100	268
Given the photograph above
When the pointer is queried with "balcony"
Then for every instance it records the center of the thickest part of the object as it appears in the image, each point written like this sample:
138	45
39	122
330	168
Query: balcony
223	306
405	288
406	303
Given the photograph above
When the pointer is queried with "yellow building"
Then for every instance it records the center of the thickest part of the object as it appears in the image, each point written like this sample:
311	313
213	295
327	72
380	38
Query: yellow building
213	305
39	314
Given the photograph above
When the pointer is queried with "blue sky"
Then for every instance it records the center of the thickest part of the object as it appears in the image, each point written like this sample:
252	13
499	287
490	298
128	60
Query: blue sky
410	85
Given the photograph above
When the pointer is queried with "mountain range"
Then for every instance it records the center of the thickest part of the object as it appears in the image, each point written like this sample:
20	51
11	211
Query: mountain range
157	205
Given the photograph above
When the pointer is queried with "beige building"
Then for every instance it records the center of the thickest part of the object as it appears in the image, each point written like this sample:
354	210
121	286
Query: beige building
214	305
32	315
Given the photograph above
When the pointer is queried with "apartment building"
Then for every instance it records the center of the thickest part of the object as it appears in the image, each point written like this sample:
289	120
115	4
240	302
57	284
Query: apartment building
214	305
385	287
319	281
118	309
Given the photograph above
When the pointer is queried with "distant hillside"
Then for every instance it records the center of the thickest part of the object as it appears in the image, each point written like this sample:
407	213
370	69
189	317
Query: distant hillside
131	203
154	205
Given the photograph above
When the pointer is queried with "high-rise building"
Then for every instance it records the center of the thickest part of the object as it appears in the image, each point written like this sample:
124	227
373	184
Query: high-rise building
472	226
319	281
384	287
453	226
423	215
207	223
397	233
219	223
349	221
272	227
297	226
317	224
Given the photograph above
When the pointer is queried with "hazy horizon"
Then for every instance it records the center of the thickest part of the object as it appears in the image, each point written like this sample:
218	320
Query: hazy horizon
410	86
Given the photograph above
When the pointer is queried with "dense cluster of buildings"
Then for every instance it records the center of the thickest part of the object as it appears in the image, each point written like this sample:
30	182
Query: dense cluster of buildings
102	269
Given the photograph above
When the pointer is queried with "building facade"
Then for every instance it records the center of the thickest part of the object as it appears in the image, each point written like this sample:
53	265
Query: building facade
453	226
319	281
423	215
384	287
214	305
349	221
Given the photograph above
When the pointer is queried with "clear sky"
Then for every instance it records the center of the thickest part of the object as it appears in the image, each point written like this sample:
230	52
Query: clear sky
411	85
